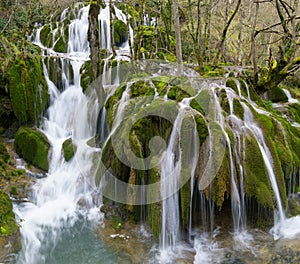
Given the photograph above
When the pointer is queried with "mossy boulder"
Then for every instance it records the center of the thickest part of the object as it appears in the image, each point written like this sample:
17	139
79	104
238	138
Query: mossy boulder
277	95
256	180
8	224
27	88
61	45
33	146
69	149
120	32
238	109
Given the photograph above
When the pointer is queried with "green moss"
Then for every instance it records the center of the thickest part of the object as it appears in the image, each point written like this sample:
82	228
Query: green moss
294	207
28	89
33	146
46	36
177	93
268	125
231	82
120	32
61	45
201	128
243	87
256	178
111	161
162	84
203	99
224	102
238	109
8	224
221	183
185	198
14	191
154	209
140	88
69	149
293	112
86	72
195	105
120	90
3	153
209	72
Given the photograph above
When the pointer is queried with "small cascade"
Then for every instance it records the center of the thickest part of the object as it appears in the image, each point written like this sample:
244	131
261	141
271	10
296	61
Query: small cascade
257	133
290	98
104	30
236	204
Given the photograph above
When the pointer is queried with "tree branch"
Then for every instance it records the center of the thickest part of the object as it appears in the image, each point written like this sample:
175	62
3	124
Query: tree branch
274	25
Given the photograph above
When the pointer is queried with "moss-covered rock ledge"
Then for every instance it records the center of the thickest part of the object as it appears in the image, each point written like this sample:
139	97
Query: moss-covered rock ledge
33	146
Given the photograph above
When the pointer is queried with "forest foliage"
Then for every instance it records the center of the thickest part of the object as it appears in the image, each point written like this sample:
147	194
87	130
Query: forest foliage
262	35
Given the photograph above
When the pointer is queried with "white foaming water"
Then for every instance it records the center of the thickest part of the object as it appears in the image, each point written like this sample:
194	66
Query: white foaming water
207	250
287	228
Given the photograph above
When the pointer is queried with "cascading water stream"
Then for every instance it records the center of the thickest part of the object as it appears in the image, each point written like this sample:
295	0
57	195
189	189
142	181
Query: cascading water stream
55	202
235	195
257	133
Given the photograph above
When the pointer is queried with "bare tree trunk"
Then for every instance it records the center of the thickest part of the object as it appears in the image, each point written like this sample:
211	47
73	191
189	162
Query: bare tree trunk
197	38
93	38
253	46
224	32
177	36
207	30
240	37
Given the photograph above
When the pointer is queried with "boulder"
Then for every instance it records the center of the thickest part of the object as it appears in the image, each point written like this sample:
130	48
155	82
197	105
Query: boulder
33	146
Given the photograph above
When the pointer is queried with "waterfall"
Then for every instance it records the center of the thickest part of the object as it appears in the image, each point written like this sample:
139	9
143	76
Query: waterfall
68	193
171	166
54	205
